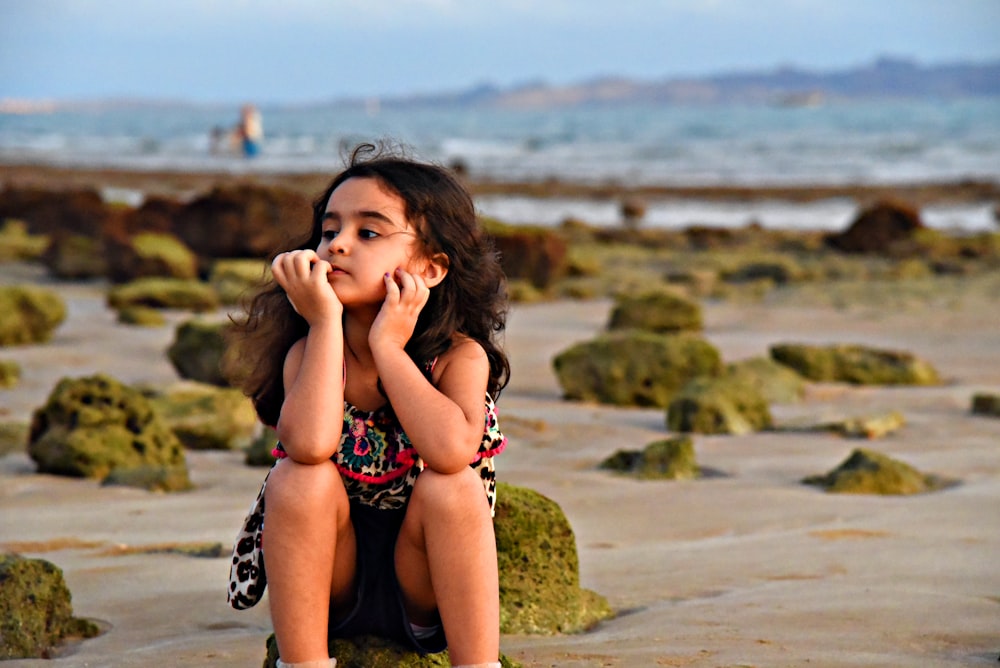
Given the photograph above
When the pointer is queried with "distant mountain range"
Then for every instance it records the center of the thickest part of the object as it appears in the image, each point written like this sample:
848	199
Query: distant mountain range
786	86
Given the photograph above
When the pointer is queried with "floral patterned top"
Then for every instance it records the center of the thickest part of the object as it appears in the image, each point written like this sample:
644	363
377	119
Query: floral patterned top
380	465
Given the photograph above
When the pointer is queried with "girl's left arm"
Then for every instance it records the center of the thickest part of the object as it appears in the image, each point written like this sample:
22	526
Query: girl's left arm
444	421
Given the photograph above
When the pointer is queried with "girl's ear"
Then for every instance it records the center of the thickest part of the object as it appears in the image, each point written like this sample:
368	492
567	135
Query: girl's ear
436	269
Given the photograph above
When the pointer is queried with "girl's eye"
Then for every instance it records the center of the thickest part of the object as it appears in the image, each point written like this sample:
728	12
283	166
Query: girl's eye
330	235
368	234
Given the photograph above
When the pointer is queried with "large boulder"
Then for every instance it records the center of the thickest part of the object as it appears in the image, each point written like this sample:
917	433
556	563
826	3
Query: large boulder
150	254
634	368
242	220
95	427
56	212
779	384
660	311
880	229
718	405
869	472
197	351
29	314
666	459
540	589
156	292
533	254
855	364
36	610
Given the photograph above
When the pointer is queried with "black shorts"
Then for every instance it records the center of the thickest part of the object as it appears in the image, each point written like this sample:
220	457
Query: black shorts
379	610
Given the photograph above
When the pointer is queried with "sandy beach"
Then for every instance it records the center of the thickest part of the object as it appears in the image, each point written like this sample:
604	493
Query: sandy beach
745	568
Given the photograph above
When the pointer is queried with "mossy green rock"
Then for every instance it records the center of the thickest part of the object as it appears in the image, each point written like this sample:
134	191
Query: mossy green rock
856	364
869	472
234	279
718	406
10	374
177	293
75	257
197	351
777	383
207	417
634	368
29	314
657	311
986	404
667	459
150	254
16	243
141	316
259	450
95	426
540	589
36	611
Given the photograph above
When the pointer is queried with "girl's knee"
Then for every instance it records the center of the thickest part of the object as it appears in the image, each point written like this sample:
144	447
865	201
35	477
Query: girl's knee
444	492
304	486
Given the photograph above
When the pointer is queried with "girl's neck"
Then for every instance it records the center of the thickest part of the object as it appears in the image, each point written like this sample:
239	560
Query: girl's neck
356	338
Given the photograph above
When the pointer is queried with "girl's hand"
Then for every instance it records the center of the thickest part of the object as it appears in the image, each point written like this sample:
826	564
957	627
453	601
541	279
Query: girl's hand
305	279
405	296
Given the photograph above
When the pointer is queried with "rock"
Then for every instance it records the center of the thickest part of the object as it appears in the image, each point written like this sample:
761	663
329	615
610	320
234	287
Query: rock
141	316
879	229
29	314
235	279
17	244
720	405
75	257
777	383
198	349
780	271
176	293
634	368
207	417
36	611
94	426
259	450
539	570
240	221
856	364
668	459
870	472
660	311
57	212
535	254
150	254
633	210
10	374
870	426
986	404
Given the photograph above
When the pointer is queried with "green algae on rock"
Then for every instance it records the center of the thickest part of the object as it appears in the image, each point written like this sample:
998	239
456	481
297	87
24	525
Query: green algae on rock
95	426
259	451
856	364
158	292
207	417
150	254
666	459
198	349
30	314
869	472
721	405
540	589
36	611
634	368
10	374
661	311
986	404
777	383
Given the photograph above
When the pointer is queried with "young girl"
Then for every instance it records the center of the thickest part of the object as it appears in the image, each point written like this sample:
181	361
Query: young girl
375	357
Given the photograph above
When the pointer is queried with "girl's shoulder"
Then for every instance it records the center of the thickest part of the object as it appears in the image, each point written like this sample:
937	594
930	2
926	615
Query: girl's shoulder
464	353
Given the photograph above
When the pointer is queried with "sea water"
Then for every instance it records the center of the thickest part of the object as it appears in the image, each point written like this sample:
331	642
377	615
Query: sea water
856	142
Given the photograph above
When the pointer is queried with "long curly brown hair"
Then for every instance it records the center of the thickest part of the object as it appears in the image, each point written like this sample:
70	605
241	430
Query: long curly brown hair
471	300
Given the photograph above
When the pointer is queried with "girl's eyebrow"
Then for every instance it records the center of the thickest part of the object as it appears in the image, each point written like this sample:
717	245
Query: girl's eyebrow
364	213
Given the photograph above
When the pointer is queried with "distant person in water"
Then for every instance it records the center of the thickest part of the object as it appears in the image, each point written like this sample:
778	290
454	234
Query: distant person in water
250	130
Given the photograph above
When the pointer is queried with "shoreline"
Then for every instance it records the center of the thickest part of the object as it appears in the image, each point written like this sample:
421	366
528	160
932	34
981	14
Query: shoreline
181	183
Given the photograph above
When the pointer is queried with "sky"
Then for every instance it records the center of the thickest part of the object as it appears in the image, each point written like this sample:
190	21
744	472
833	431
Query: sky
300	51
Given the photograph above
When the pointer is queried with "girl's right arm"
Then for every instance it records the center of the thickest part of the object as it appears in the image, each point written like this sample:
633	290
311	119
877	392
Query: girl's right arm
312	414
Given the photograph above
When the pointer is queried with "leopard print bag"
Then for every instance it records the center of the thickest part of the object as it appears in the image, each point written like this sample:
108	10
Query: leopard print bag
247	578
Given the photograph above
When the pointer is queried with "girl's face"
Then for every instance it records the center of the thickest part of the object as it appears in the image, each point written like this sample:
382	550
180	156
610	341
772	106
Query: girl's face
366	235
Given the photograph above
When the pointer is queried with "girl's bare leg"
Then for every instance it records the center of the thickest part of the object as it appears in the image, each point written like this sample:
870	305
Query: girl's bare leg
446	560
309	555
